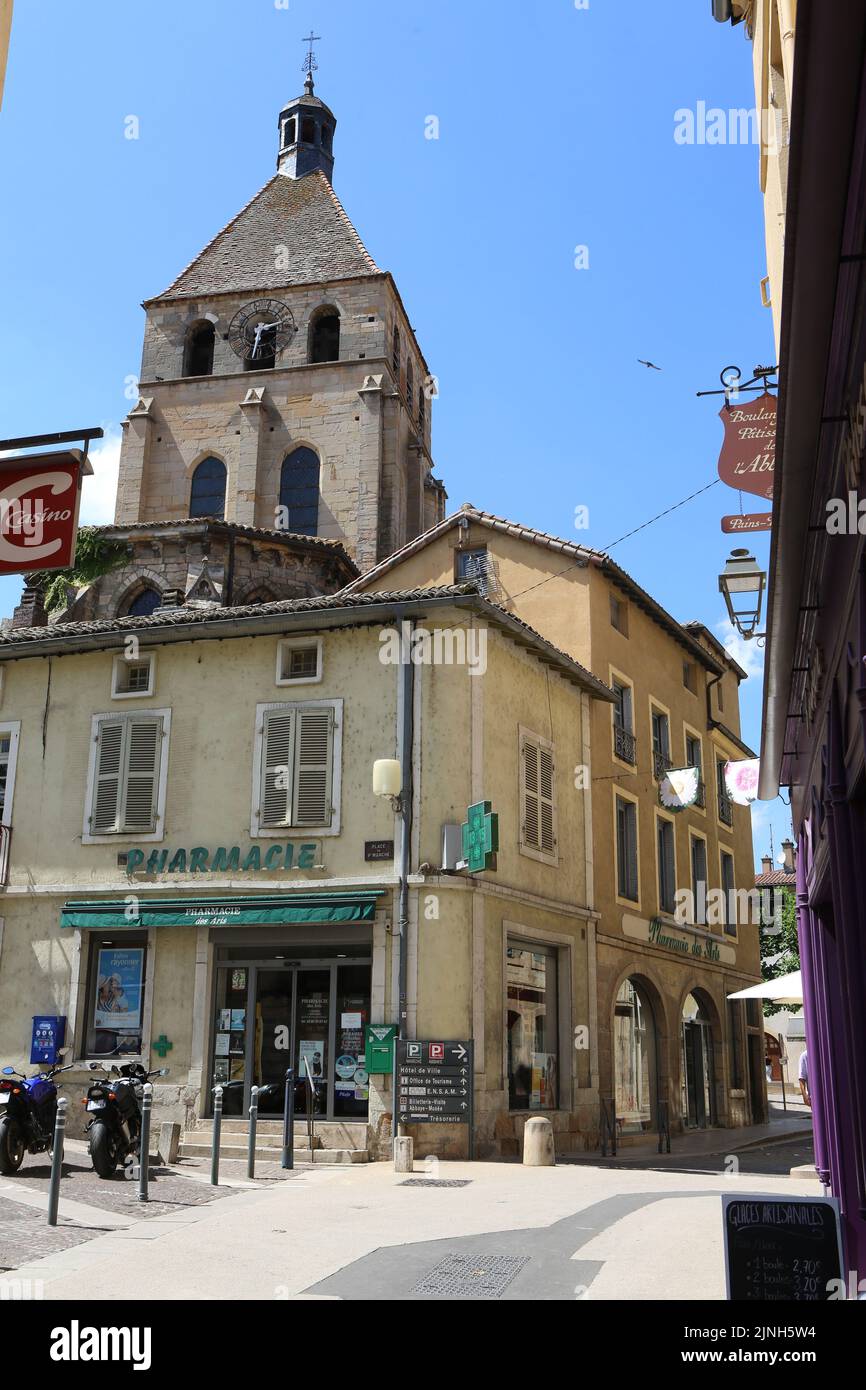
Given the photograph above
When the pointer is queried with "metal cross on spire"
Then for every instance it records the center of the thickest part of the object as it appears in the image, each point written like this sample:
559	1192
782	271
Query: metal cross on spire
310	63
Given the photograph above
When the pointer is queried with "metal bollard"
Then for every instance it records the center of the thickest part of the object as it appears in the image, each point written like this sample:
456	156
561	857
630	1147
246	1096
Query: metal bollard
144	1142
217	1131
289	1121
254	1119
56	1161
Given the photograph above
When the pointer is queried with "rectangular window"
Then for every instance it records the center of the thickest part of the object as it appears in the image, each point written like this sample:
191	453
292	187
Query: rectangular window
299	661
667	864
725	805
474	565
297	752
8	758
661	730
532	1024
537	797
694	758
690	676
699	879
626	849
730	916
114	1013
623	723
126	777
619	614
132	678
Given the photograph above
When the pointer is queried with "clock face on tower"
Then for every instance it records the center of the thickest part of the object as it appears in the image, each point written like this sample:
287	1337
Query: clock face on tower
261	329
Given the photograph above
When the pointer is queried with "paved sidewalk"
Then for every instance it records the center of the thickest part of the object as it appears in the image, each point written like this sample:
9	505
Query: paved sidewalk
366	1233
702	1143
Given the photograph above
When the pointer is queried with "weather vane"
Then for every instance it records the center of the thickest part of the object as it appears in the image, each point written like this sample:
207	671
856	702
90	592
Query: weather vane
310	63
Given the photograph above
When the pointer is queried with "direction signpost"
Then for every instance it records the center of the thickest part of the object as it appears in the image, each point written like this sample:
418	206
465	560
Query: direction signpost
435	1084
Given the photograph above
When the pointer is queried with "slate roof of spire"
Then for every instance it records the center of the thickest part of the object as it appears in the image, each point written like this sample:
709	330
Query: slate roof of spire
306	216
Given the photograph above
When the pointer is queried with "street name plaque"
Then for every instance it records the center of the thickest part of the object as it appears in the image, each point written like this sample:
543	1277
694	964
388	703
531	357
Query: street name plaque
434	1082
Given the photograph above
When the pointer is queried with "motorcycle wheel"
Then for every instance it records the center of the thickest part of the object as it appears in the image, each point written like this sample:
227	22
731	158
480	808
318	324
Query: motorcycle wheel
11	1146
102	1154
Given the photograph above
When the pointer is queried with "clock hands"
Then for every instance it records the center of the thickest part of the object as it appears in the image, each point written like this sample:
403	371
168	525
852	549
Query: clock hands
263	328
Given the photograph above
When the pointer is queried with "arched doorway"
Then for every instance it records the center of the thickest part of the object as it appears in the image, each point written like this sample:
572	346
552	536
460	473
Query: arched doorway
635	1064
698	1080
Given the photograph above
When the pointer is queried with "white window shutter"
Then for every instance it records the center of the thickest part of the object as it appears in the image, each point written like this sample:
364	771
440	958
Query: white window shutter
106	788
141	773
529	793
313	765
278	759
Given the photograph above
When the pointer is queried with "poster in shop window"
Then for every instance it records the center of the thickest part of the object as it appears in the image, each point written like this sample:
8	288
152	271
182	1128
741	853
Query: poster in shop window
543	1080
119	988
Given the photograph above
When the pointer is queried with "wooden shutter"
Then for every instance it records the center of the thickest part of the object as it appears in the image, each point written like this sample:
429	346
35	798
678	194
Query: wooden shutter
537	794
545	798
278	744
529	793
141	773
106	787
313	763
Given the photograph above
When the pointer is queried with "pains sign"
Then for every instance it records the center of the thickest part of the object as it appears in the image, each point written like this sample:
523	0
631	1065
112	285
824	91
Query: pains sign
39	500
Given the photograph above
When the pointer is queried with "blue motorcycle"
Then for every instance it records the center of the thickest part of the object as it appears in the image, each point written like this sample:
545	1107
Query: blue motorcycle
28	1108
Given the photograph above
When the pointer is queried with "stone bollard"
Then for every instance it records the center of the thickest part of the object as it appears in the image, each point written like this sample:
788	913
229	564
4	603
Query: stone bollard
404	1154
169	1142
538	1149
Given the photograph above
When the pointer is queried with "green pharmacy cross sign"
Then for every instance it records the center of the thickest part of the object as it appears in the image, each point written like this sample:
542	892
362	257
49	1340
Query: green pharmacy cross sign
162	1046
480	838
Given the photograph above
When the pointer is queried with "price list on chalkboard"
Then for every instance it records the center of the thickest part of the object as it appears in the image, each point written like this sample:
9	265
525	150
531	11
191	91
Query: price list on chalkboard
781	1248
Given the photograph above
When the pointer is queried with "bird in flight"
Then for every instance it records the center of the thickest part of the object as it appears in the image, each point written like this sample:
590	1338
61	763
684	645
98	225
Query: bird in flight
649	364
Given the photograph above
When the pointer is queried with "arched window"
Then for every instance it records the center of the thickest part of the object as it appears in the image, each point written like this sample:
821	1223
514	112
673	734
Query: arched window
145	602
308	130
289	131
208	492
634	1042
395	353
410	382
299	491
325	336
198	352
421	400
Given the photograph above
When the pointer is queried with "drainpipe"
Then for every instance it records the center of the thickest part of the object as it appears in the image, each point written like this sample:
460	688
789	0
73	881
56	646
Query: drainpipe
405	736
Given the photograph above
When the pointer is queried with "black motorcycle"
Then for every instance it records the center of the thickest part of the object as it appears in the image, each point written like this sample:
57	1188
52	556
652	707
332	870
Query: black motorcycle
114	1104
28	1109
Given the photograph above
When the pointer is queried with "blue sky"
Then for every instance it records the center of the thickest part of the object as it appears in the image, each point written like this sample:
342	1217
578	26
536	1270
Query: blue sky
556	130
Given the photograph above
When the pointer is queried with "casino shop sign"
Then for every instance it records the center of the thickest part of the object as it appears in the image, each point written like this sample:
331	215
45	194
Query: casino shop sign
200	860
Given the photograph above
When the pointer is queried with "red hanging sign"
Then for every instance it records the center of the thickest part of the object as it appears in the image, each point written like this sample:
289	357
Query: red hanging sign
752	521
39	500
748	455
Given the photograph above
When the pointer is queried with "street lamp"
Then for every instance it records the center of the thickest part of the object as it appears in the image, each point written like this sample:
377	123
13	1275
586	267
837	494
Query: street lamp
742	584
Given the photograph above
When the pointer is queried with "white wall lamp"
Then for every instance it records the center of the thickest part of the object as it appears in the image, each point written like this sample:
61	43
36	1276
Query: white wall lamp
388	781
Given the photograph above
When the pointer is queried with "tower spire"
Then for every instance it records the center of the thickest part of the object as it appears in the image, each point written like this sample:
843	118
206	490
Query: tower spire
310	61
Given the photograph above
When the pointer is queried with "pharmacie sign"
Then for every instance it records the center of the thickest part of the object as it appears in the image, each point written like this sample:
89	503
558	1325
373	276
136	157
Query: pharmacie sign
660	935
306	854
681	941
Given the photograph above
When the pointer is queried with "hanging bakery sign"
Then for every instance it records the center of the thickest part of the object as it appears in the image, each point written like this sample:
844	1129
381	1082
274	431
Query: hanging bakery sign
748	456
750	521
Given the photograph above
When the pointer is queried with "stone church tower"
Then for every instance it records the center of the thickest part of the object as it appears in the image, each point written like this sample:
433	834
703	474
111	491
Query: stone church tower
282	387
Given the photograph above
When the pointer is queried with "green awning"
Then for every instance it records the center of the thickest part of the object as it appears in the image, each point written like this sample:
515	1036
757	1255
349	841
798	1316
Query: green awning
248	910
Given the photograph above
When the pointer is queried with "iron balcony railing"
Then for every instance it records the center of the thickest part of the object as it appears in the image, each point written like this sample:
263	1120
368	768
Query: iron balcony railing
701	798
624	744
661	764
726	808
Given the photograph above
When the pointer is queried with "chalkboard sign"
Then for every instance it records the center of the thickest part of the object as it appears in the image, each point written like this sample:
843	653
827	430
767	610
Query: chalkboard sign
781	1248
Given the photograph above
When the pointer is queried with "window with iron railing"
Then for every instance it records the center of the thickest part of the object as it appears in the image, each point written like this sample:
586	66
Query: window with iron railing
661	730
725	804
624	742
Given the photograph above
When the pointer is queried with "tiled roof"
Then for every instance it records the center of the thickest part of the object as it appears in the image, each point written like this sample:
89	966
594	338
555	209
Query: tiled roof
261	533
304	215
60	634
776	878
582	555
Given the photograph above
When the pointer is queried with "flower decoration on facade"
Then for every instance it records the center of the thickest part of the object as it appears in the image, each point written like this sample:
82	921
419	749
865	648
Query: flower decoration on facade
679	788
741	781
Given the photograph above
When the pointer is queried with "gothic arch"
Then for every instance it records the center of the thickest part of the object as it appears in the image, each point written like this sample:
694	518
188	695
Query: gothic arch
207	493
300	479
142	581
